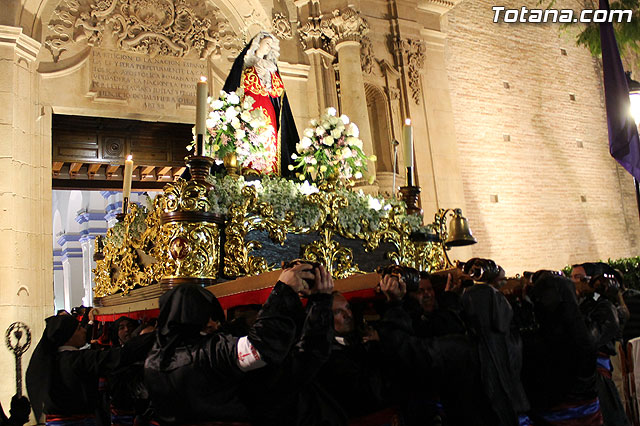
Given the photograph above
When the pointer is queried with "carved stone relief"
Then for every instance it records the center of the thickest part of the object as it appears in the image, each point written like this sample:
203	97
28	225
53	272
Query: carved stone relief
325	33
345	25
282	27
367	59
154	27
413	52
311	35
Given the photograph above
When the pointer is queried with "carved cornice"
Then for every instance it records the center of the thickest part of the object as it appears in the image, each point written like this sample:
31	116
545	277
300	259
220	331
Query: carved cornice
345	25
25	47
166	27
413	53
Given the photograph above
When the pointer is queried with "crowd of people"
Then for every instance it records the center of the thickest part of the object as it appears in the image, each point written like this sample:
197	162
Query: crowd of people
462	347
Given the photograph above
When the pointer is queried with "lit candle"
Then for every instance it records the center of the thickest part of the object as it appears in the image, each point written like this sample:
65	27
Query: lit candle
128	171
407	133
201	114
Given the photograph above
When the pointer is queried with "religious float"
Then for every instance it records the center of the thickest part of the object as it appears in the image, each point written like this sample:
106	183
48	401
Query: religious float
257	196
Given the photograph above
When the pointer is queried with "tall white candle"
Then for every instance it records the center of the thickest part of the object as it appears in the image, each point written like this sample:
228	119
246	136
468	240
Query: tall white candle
128	171
201	106
407	134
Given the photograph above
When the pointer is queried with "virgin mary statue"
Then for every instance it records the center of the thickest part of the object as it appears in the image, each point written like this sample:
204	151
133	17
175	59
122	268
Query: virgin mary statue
256	71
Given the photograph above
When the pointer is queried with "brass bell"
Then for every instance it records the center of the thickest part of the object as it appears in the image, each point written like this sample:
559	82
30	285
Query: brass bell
459	232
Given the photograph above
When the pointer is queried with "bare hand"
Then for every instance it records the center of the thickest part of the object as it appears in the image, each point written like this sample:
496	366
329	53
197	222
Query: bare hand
295	277
323	282
92	314
393	288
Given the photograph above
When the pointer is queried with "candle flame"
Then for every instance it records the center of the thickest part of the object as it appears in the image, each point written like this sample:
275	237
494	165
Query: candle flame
203	78
407	122
130	157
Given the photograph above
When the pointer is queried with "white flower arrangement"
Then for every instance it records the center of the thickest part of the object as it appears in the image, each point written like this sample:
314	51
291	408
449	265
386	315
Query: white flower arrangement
330	148
232	126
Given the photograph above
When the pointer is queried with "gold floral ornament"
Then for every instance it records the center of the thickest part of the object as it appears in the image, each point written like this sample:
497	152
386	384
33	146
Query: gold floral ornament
179	238
244	217
330	150
124	265
189	234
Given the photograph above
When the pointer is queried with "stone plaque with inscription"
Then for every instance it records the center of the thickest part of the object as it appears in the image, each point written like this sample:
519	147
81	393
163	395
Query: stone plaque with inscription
140	81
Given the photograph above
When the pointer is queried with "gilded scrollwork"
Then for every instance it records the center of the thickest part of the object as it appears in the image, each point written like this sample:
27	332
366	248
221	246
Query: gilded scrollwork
182	195
243	218
180	238
191	249
122	267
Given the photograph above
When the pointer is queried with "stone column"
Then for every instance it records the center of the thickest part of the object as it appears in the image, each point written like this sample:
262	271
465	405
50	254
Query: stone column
93	224
58	279
72	270
114	206
322	84
26	248
86	243
346	29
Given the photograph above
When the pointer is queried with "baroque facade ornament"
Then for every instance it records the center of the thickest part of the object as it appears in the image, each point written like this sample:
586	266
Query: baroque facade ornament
413	52
344	25
311	35
366	55
282	27
166	27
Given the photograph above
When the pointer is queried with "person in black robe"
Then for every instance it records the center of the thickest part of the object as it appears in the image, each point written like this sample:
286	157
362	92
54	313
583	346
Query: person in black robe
285	126
602	314
62	381
450	365
195	377
19	412
354	375
559	357
125	386
288	394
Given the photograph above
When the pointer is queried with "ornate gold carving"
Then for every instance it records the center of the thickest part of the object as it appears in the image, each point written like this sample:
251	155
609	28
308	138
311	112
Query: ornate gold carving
281	26
180	238
413	52
242	219
154	27
188	196
125	265
193	249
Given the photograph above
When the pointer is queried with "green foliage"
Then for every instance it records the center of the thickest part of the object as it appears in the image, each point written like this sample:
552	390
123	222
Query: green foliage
629	266
627	33
136	228
362	214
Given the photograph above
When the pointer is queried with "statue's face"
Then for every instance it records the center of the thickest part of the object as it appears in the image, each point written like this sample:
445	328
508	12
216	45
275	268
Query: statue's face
264	47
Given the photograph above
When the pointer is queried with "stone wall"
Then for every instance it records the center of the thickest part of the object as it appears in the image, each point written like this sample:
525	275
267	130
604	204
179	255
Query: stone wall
541	189
26	267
